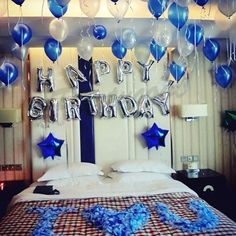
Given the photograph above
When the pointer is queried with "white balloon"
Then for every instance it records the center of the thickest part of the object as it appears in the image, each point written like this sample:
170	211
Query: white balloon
118	9
183	3
59	29
142	53
184	47
90	7
227	7
164	33
128	38
85	48
3	7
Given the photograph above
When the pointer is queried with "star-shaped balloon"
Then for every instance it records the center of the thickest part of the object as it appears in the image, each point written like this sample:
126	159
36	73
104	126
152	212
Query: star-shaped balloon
50	147
155	136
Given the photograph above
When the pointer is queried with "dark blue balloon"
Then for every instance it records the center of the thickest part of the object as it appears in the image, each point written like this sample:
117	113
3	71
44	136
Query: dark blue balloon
118	49
157	7
211	49
194	34
224	76
52	49
51	146
155	136
157	51
8	73
99	32
178	15
62	3
177	71
115	1
57	10
18	2
21	34
201	2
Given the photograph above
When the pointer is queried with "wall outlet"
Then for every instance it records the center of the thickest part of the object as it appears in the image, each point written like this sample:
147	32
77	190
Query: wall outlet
11	167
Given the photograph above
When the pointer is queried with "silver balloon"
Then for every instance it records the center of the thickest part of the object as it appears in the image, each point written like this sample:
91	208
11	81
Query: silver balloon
142	53
184	47
227	7
123	68
161	101
85	48
145	107
43	80
74	76
36	108
20	53
72	106
100	68
108	109
183	3
53	110
91	98
128	106
129	38
146	68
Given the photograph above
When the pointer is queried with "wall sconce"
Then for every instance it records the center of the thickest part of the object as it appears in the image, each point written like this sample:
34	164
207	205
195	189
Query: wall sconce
9	116
192	111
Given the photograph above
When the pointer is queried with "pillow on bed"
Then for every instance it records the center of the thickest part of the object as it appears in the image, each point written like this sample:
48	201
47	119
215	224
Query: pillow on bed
62	171
142	165
75	181
136	177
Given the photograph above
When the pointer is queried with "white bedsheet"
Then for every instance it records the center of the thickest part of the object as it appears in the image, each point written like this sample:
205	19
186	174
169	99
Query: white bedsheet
107	188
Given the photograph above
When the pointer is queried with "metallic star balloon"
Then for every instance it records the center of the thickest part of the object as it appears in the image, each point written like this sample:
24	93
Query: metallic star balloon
155	136
50	147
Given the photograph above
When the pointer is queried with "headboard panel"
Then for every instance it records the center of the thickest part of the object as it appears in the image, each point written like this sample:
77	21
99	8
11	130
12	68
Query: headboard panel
115	138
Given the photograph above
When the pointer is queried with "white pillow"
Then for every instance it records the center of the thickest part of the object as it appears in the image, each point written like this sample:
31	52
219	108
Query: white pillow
142	165
62	171
137	177
75	181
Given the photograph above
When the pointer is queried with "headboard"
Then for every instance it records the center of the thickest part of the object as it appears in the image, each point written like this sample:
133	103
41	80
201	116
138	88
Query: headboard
116	138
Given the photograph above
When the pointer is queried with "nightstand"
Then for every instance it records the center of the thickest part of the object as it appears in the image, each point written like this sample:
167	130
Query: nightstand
7	190
209	185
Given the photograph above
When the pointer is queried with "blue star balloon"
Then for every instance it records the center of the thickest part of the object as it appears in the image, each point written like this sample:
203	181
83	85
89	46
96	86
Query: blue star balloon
50	147
155	136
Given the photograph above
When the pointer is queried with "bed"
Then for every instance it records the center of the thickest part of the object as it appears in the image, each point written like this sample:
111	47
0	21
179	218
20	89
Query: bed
65	214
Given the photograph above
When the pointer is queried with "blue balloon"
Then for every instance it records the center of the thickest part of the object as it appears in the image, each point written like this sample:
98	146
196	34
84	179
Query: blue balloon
99	32
57	10
224	76
51	146
157	51
118	49
201	2
178	15
194	34
211	49
157	7
21	34
62	3
8	73
177	71
52	49
18	2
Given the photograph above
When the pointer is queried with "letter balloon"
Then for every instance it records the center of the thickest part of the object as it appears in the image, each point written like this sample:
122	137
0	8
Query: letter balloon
177	15
52	49
21	33
123	68
36	108
211	49
128	106
53	110
224	76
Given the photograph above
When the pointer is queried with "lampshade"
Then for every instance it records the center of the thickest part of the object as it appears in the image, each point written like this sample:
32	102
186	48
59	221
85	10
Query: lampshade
192	110
10	115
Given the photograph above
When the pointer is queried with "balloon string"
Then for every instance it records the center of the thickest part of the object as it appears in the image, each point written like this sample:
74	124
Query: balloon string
22	71
42	11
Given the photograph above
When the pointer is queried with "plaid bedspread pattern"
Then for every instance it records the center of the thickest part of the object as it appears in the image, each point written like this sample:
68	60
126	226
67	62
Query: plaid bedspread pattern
19	222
